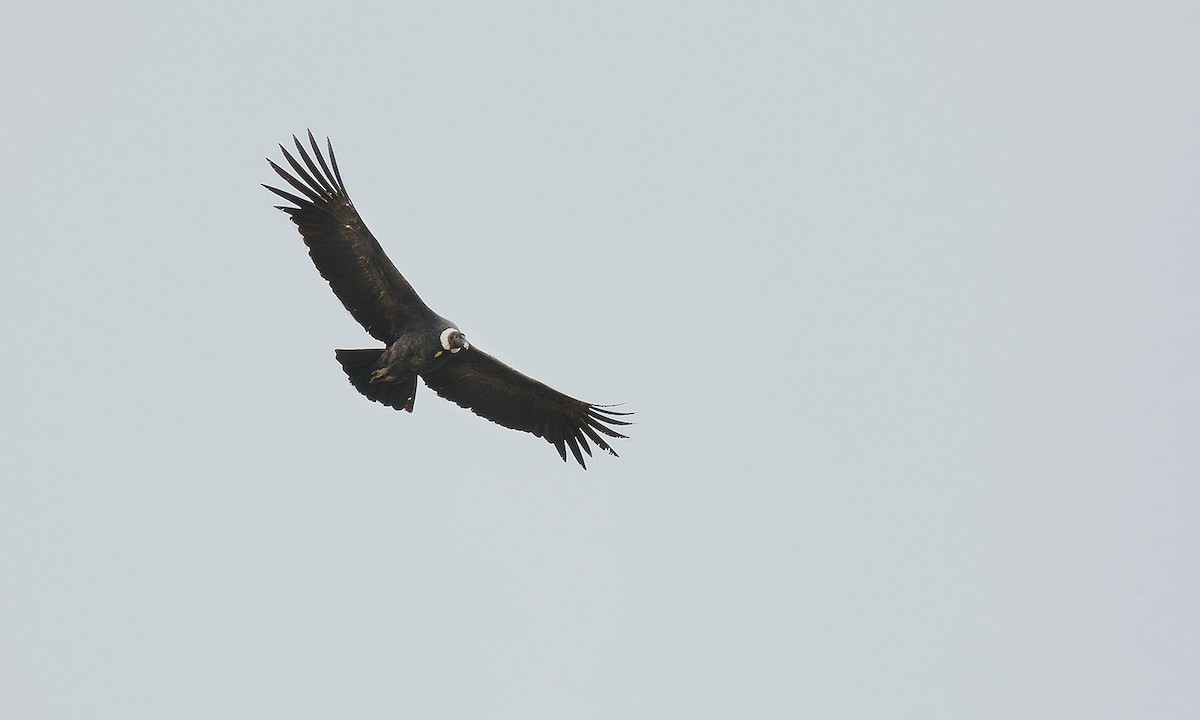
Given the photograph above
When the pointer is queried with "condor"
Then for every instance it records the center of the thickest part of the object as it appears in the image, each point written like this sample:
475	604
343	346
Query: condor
418	341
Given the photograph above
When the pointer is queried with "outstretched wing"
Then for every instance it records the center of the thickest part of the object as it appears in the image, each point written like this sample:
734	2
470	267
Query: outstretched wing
343	249
493	390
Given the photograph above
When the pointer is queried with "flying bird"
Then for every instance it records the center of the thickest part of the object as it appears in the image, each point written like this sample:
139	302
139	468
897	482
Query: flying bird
417	341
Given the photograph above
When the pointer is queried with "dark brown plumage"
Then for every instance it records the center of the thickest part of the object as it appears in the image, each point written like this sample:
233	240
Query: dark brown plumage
418	341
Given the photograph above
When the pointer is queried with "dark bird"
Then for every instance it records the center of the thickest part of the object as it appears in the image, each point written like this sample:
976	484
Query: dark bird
418	341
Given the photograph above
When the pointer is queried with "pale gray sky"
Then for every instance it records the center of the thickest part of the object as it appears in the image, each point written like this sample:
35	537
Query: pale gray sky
904	295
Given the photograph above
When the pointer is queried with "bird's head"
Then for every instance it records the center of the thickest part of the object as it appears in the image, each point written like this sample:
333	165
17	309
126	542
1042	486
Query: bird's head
453	340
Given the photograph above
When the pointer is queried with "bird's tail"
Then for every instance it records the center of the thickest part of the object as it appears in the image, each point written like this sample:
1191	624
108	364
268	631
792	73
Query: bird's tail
360	365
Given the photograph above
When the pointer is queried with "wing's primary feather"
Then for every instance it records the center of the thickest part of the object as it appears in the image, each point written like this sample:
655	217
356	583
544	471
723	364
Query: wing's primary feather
345	252
489	388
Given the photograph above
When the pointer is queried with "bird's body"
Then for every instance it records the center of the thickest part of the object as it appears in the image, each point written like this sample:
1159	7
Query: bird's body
417	341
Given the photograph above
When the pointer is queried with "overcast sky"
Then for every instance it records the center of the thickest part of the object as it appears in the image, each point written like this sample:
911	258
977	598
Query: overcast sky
904	295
